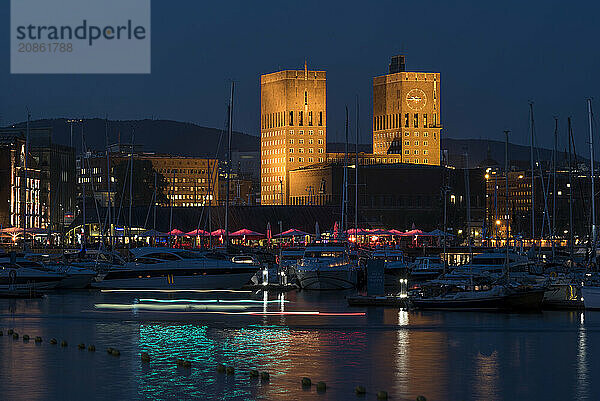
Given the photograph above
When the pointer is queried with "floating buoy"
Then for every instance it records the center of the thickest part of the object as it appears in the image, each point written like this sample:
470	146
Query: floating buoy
306	382
25	338
38	339
321	386
53	341
421	398
221	368
16	336
109	350
92	348
115	352
145	357
382	395
264	376
63	343
10	331
230	370
360	390
254	373
81	346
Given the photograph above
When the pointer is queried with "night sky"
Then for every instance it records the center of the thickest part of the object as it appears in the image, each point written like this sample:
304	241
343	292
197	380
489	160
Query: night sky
494	57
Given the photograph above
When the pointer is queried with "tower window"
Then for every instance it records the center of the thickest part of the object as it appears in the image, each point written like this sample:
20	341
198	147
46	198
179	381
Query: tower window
425	120
406	120
305	98
416	120
301	118
291	118
320	118
310	118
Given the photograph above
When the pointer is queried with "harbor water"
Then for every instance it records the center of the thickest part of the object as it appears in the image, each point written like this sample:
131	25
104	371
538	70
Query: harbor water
440	355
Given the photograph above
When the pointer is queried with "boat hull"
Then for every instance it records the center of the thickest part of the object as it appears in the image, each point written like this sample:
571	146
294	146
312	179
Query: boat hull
232	281
327	280
517	300
591	297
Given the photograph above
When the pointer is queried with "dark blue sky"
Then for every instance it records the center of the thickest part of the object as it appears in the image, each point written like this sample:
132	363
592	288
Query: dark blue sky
493	57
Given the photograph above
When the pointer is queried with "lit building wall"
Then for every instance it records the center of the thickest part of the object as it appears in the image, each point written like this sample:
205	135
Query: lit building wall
293	128
406	114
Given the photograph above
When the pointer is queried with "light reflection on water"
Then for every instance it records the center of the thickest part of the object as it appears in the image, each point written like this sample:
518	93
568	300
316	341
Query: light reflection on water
445	356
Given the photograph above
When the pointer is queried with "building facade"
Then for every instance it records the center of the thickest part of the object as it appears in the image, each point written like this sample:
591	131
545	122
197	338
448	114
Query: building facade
21	204
190	181
293	128
406	114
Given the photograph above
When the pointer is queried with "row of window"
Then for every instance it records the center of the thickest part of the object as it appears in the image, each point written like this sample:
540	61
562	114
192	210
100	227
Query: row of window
416	161
390	121
291	132
274	120
309	150
415	152
415	143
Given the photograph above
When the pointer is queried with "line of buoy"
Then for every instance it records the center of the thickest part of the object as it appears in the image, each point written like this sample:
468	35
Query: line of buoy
221	368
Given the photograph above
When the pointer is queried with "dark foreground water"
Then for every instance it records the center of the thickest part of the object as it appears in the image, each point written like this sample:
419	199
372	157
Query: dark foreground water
443	356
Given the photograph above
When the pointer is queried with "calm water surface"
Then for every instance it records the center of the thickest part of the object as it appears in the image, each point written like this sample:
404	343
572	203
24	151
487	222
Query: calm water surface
444	356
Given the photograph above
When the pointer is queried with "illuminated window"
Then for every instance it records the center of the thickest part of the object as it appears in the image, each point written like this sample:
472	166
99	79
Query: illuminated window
300	159
417	134
425	143
320	132
310	141
407	133
425	161
425	152
416	143
301	132
310	159
320	142
425	134
406	143
301	141
407	152
320	160
311	132
320	150
425	120
291	141
310	150
291	150
300	150
416	152
416	160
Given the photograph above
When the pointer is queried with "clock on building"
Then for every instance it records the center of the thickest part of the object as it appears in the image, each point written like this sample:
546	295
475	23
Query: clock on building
416	99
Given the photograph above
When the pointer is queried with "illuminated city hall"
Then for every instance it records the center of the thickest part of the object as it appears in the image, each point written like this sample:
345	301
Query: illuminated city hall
406	114
293	128
406	126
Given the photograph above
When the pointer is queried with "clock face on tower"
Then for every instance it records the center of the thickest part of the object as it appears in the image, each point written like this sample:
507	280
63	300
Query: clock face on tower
416	99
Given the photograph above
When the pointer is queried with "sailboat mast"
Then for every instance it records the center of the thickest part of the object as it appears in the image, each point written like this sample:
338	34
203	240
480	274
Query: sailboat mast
570	133
506	199
24	182
356	174
229	134
554	161
108	181
468	199
532	176
131	183
345	183
83	186
589	104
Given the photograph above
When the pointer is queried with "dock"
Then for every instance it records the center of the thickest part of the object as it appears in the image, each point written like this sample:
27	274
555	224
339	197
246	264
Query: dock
384	300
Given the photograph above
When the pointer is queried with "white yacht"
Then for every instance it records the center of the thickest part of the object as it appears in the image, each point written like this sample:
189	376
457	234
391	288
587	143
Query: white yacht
168	268
327	266
492	265
73	277
590	291
21	274
394	263
426	268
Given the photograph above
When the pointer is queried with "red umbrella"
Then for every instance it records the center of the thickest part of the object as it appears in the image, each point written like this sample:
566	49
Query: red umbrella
292	232
218	233
175	232
197	233
360	231
414	232
247	233
379	232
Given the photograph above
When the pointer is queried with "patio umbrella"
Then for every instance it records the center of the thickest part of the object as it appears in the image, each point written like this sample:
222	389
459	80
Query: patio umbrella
218	233
197	233
269	232
292	232
176	233
359	231
152	233
244	232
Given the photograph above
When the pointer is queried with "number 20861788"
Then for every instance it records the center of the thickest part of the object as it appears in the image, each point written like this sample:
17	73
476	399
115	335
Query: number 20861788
50	47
